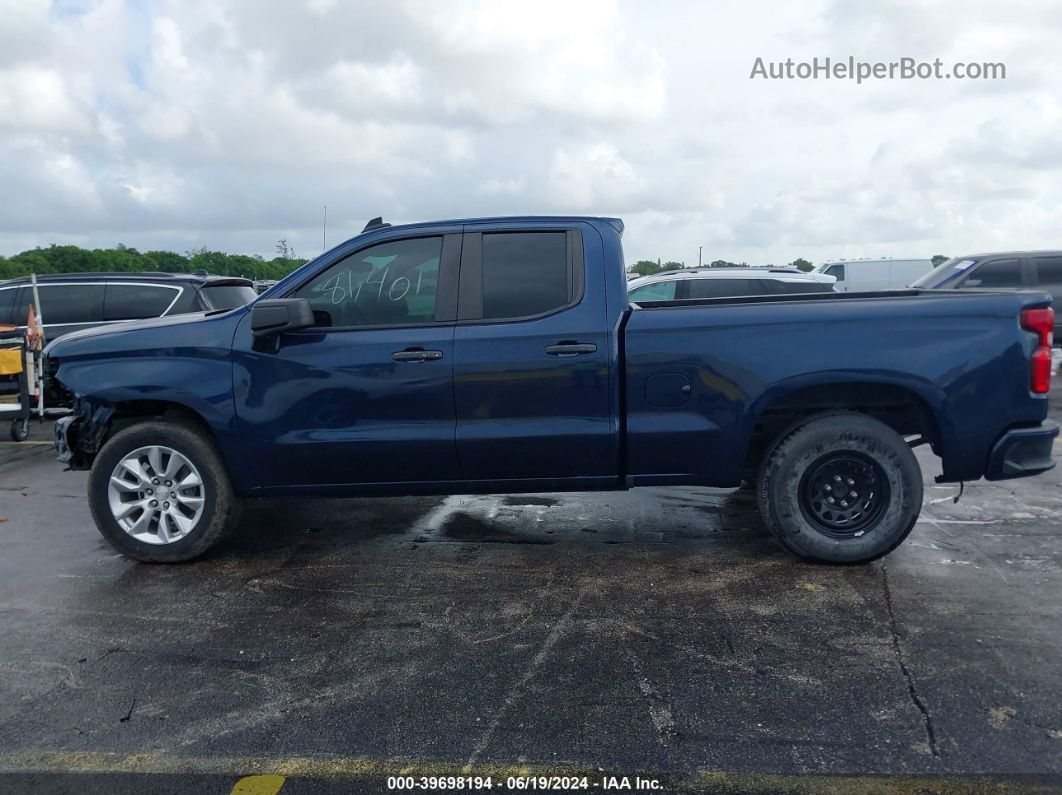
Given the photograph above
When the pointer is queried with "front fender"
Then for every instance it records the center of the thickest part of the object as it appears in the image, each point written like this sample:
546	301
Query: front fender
147	371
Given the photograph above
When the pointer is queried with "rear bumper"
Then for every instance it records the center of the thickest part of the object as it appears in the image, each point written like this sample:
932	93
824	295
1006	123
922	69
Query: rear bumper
1022	452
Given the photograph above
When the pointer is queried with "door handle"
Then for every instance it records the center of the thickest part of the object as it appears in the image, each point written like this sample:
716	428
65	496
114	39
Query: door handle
416	356
570	348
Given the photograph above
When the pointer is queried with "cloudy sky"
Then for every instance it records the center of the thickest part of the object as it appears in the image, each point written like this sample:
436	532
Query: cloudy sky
229	124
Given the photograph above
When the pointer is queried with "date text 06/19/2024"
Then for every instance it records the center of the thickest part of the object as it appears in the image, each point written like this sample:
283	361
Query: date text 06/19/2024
523	783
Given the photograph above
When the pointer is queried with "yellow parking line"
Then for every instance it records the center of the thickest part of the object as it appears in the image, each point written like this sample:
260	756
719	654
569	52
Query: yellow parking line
258	785
258	773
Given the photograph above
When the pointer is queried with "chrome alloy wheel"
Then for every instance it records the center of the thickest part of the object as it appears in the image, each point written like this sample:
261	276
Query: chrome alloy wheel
156	495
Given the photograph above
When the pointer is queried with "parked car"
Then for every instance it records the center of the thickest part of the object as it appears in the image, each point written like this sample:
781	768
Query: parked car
726	283
1008	270
503	355
868	275
73	301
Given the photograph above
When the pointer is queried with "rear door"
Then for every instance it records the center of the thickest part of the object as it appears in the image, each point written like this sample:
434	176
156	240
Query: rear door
531	357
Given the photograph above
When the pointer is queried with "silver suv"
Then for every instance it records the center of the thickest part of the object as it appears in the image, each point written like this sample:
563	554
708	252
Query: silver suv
726	283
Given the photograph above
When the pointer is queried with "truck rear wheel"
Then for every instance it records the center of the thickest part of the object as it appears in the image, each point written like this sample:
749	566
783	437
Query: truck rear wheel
840	488
159	493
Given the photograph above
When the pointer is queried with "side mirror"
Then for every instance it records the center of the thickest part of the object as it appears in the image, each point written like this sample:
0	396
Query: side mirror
274	316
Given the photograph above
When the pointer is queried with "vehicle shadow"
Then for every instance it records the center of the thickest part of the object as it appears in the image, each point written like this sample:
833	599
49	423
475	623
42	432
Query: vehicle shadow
691	517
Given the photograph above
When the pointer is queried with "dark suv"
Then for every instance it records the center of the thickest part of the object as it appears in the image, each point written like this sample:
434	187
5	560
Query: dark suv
73	301
1009	270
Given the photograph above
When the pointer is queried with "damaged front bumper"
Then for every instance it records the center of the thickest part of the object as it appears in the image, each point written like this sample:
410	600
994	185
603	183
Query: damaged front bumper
78	437
60	437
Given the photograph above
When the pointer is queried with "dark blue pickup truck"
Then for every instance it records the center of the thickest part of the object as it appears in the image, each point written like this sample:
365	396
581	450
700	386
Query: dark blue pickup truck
502	355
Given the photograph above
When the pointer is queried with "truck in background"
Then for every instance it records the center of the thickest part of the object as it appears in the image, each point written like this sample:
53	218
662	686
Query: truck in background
867	275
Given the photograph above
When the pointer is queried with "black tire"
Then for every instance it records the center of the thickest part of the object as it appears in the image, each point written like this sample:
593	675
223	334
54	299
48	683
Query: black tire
796	473
20	429
221	507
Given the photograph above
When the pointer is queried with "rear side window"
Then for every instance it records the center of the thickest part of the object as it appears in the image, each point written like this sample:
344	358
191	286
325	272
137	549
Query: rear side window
7	301
64	303
661	291
228	296
722	288
1048	272
1000	273
524	274
135	301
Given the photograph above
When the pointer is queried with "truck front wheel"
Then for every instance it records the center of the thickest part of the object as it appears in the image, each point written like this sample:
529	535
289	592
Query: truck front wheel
159	493
840	488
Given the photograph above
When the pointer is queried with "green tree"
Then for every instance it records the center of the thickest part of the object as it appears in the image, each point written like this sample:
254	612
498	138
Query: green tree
939	259
32	262
645	267
122	259
167	261
801	264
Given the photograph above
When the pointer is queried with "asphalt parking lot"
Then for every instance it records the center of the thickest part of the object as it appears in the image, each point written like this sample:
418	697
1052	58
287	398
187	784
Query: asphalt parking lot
657	632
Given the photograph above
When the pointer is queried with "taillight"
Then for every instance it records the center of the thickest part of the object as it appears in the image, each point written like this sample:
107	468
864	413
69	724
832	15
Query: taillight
1042	323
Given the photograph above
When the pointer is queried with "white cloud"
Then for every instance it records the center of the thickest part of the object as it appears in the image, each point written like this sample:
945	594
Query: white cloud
229	123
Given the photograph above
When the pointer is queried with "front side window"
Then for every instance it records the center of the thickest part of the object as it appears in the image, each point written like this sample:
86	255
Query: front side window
65	303
837	271
393	283
1000	273
524	274
661	291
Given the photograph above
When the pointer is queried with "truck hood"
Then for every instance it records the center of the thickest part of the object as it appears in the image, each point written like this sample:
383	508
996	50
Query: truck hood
177	322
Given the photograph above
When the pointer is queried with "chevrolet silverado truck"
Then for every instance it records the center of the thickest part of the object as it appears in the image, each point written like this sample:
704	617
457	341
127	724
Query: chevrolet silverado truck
503	355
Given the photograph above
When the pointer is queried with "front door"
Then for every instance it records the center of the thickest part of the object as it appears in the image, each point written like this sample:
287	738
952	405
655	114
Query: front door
531	358
366	396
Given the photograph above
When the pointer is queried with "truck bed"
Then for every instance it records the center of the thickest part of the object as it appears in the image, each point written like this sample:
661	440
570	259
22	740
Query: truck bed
961	354
804	297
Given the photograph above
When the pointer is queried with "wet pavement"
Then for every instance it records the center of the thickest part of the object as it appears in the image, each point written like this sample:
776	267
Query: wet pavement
656	632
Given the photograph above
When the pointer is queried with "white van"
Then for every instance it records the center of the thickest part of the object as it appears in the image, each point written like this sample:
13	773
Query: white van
864	275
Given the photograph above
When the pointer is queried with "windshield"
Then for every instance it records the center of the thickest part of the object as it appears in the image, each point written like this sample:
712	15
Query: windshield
945	272
228	296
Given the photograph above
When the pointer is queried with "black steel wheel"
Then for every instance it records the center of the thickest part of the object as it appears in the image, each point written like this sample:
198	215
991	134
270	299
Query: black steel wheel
844	494
840	487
